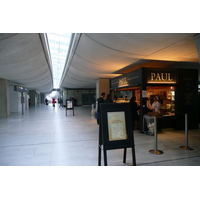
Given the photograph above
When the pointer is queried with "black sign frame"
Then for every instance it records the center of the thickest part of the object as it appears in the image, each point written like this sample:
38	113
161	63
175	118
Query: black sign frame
69	105
124	110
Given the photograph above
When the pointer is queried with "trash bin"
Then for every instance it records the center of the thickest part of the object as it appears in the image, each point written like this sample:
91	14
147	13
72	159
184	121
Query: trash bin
148	124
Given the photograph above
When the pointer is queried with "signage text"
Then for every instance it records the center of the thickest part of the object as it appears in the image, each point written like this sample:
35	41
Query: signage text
123	81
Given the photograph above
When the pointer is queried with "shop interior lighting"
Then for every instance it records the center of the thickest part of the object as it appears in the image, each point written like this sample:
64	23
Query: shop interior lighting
58	45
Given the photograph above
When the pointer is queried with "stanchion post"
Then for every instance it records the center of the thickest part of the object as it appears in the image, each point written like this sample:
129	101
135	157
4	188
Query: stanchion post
155	133
186	147
22	102
155	151
186	130
99	147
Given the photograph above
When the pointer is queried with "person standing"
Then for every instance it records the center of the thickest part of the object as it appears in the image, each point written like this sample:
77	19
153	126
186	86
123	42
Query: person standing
108	99
155	105
134	110
61	103
46	101
99	101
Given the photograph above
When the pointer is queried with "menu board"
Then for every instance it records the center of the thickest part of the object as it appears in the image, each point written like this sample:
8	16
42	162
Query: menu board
115	129
69	104
116	126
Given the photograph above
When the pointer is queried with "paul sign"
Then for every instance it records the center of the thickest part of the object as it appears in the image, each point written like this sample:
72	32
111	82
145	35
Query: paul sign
161	77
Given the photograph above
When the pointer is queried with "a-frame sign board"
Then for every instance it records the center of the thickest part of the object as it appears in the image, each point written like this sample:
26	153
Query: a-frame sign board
115	130
69	105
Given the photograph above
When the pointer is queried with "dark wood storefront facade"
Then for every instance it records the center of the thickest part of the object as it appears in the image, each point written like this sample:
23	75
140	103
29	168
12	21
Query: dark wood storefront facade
185	84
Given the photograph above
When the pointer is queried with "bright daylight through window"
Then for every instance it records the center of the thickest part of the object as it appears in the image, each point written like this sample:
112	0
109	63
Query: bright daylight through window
59	45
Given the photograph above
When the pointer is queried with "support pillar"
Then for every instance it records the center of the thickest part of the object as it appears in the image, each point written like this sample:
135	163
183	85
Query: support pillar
64	97
33	101
5	98
102	85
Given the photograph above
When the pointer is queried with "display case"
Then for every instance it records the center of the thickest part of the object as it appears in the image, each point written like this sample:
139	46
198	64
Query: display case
122	100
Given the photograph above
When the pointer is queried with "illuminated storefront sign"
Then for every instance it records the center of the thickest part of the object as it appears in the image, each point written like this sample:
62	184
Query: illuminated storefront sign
123	82
161	77
20	89
130	79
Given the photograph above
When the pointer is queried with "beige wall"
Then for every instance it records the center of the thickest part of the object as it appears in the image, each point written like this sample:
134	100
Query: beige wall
102	85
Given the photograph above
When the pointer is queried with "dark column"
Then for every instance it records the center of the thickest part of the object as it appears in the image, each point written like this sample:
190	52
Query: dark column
143	107
186	100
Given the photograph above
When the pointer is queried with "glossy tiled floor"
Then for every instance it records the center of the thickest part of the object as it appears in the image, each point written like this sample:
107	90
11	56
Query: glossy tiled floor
45	136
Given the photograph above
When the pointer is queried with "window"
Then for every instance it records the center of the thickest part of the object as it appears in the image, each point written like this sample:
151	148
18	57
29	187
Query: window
58	45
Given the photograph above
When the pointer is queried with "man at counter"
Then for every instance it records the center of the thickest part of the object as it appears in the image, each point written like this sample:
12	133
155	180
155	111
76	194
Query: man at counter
155	105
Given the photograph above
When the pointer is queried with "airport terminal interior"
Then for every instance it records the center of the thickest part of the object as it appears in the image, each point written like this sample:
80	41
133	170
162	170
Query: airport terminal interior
57	59
74	69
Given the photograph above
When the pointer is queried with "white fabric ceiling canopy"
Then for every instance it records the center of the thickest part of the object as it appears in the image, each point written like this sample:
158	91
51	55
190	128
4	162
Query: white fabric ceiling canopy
102	55
25	58
23	61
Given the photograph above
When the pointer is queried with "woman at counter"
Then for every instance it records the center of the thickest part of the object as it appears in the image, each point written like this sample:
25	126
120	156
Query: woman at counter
155	105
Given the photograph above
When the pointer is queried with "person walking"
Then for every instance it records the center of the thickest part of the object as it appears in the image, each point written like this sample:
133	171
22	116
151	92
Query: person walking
53	102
